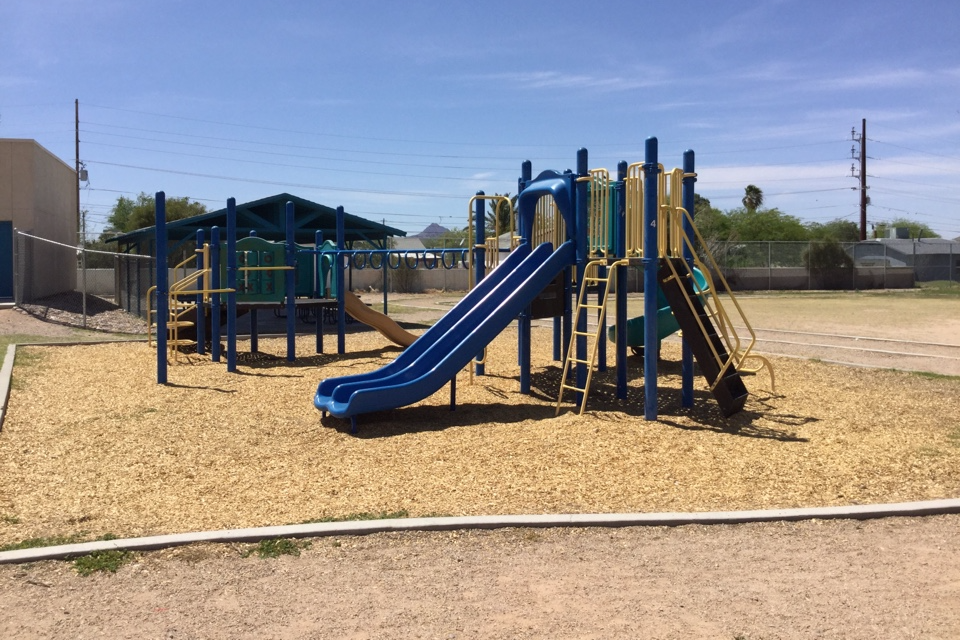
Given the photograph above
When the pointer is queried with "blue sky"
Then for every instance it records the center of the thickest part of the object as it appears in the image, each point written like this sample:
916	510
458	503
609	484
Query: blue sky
400	111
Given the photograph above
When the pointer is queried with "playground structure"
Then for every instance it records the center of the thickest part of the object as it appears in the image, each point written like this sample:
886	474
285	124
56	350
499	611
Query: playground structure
576	233
573	237
252	274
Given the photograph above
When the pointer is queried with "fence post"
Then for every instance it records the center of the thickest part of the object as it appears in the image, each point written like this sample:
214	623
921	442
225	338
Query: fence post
17	297
769	265
83	271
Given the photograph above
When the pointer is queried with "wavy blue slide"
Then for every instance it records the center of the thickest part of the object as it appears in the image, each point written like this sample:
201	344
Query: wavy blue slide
436	357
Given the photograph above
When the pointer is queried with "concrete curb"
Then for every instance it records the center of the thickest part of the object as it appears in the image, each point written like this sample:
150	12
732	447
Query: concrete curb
6	374
364	527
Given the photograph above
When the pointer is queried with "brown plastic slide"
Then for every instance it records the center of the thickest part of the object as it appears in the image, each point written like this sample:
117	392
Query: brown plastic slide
390	329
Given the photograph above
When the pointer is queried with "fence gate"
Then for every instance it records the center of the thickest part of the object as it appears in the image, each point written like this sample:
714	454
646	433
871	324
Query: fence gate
6	260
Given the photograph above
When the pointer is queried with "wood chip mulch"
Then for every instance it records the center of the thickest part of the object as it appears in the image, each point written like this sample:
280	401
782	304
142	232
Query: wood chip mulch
92	444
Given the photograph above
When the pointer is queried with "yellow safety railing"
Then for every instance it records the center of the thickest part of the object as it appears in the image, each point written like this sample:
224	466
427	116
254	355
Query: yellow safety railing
598	218
177	308
548	224
672	246
491	243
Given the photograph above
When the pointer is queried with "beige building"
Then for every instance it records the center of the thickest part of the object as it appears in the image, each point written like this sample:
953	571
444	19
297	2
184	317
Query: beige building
38	196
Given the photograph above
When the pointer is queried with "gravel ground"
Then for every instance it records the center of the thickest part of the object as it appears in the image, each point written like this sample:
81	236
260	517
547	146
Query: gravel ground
888	578
893	578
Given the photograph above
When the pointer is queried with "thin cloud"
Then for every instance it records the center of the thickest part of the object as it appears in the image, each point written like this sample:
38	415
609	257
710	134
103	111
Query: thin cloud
890	79
536	80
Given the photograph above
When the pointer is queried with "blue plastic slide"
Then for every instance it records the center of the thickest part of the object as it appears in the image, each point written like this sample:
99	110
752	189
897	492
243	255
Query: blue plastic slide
436	357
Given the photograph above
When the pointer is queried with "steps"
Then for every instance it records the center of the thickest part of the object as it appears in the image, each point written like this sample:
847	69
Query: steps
708	347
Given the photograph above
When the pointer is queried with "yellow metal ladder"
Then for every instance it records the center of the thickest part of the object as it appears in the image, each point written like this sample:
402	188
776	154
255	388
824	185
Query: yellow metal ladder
583	306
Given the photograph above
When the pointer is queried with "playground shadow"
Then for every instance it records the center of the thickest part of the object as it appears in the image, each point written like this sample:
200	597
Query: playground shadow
432	419
178	385
261	360
705	414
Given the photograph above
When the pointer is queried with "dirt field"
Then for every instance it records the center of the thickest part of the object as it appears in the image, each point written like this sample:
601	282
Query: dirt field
119	454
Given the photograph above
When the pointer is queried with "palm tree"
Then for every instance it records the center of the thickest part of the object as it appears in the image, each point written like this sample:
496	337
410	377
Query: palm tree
753	197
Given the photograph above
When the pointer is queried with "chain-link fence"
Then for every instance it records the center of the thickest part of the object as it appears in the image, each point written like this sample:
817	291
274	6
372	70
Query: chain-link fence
825	264
52	282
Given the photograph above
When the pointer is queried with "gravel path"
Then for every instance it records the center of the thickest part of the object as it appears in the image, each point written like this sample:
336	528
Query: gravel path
893	578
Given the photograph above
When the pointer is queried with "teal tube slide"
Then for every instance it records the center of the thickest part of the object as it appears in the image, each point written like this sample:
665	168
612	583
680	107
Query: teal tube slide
667	324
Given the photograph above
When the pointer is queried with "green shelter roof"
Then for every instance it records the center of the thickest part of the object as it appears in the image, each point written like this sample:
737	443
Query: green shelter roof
267	218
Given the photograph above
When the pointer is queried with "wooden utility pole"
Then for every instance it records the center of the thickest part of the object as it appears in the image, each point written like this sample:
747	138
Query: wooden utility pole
863	180
864	200
81	225
76	129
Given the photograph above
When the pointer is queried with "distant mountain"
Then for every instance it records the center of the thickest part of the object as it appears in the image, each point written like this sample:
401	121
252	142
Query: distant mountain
432	231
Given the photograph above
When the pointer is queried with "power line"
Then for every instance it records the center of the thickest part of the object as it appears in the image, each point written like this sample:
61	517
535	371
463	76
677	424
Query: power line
323	134
299	146
415	194
291	166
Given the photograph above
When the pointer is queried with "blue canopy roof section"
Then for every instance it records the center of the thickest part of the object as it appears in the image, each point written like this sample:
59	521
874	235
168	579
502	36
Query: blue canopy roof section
265	217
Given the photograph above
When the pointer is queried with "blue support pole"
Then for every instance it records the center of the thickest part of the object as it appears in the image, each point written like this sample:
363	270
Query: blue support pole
201	307
479	256
583	250
686	367
338	271
290	284
620	204
650	263
318	286
232	285
216	297
383	267
163	287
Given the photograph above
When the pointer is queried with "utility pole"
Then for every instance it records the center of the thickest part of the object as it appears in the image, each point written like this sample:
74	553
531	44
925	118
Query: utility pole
81	225
76	129
864	200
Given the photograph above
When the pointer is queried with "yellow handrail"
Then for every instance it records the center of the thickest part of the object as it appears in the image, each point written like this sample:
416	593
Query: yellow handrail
713	304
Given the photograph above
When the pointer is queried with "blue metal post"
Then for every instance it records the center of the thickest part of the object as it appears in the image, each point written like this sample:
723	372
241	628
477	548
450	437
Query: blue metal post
686	367
480	256
341	310
201	307
216	297
318	286
232	284
650	263
620	205
163	287
582	213
290	284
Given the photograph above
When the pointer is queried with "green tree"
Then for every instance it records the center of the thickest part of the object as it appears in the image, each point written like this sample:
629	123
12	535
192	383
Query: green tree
751	225
753	197
829	264
917	229
99	260
839	230
129	215
712	223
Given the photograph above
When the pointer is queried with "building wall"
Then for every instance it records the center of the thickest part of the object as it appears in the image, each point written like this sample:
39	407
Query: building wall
38	193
